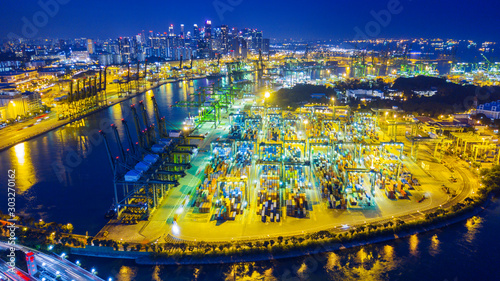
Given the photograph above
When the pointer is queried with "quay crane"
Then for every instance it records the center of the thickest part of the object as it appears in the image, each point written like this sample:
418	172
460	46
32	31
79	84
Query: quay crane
160	121
143	184
137	124
129	137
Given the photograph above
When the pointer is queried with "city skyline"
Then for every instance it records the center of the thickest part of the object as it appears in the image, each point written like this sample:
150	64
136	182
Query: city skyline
249	140
311	21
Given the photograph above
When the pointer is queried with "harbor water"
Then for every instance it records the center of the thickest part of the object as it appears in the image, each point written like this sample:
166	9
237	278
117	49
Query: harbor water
63	176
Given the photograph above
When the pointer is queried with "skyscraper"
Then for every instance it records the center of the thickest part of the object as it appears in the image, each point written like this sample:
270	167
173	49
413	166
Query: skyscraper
208	29
143	37
90	46
149	38
171	31
196	32
224	37
182	31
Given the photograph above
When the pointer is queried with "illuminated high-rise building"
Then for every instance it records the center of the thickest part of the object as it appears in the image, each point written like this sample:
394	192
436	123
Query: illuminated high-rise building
224	37
171	31
196	32
90	46
208	29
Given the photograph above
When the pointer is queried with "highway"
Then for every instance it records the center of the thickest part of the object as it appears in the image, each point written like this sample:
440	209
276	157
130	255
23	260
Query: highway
7	274
51	266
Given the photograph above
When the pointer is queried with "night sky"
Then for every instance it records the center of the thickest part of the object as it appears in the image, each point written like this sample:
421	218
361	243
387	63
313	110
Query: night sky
333	19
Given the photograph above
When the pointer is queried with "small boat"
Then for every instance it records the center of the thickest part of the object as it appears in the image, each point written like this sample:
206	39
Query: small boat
215	75
111	212
189	124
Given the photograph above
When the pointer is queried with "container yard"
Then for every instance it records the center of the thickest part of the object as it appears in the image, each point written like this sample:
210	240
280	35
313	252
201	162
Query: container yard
279	169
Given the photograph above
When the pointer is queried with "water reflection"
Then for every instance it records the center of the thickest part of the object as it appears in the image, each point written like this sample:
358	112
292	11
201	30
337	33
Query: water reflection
362	255
333	262
389	253
248	271
473	225
127	274
156	274
117	112
25	172
434	247
414	245
20	153
302	271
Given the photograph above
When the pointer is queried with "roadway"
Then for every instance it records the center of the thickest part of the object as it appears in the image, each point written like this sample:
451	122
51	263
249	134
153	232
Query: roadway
51	267
6	273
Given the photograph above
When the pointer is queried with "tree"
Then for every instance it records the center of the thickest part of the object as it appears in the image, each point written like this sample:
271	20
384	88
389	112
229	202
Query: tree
69	228
323	234
266	243
271	242
490	178
468	200
280	239
183	246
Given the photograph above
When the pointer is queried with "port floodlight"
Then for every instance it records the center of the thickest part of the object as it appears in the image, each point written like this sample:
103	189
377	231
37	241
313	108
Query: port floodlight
175	228
267	95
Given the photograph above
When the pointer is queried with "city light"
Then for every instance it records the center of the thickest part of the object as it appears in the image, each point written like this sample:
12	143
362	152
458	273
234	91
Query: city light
292	145
175	228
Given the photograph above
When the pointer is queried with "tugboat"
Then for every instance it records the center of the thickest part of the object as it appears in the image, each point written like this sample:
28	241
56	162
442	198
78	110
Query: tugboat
189	124
111	212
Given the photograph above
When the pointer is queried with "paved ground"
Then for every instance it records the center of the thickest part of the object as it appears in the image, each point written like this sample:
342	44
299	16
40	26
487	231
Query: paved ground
196	226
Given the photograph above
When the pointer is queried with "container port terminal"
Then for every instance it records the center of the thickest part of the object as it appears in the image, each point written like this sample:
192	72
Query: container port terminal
237	140
244	169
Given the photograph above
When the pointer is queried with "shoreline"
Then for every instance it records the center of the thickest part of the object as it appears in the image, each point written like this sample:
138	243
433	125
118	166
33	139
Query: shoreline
145	258
66	122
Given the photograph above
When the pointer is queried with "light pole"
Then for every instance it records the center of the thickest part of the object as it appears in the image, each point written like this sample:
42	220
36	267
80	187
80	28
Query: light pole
333	106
